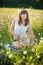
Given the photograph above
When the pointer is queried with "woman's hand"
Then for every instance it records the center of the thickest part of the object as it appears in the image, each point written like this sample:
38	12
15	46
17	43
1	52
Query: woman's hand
16	37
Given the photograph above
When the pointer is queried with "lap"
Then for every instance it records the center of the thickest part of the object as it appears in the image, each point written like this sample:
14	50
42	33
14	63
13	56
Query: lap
20	43
23	41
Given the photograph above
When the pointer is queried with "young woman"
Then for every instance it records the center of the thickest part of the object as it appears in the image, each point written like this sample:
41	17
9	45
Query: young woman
20	25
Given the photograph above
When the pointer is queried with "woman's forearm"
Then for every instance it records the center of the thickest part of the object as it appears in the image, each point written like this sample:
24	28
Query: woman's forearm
32	36
12	33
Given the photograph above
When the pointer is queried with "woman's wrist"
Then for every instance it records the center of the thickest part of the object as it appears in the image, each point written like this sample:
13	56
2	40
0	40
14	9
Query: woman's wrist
13	34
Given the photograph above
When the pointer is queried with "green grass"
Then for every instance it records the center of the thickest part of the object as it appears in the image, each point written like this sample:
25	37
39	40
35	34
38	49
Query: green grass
35	16
6	16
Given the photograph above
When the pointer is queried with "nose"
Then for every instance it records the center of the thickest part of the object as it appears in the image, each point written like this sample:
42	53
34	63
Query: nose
23	15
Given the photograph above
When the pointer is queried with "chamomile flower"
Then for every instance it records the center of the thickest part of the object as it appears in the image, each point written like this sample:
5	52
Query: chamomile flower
38	56
32	63
25	52
23	57
33	50
11	55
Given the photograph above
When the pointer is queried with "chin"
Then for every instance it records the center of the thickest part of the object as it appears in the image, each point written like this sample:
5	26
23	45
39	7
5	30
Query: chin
23	19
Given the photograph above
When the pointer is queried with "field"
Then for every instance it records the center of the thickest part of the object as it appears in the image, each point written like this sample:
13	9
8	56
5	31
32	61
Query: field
26	56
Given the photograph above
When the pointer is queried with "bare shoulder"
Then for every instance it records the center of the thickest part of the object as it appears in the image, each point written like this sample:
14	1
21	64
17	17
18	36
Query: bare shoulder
16	19
29	25
13	21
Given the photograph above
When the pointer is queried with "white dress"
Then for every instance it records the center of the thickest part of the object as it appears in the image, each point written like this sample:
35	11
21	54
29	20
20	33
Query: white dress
20	30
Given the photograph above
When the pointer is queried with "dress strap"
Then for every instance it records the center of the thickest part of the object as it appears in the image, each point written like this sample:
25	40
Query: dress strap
27	26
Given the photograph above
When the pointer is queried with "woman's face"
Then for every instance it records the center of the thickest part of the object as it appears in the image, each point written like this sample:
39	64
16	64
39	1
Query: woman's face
23	16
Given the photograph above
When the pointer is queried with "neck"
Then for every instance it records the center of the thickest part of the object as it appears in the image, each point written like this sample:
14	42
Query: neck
23	21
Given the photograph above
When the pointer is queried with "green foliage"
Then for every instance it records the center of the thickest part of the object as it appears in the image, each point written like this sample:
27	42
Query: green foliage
24	56
21	3
39	47
5	36
38	29
33	55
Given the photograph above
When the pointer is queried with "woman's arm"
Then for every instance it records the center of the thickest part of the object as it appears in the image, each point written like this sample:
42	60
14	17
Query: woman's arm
12	27
32	36
12	30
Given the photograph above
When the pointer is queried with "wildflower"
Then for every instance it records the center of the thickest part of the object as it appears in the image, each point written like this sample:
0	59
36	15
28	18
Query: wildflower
8	52
7	47
25	52
18	62
39	34
38	56
23	57
32	63
1	44
31	57
41	38
33	50
11	55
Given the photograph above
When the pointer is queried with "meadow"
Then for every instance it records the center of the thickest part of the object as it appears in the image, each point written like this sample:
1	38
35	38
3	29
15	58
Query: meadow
33	55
